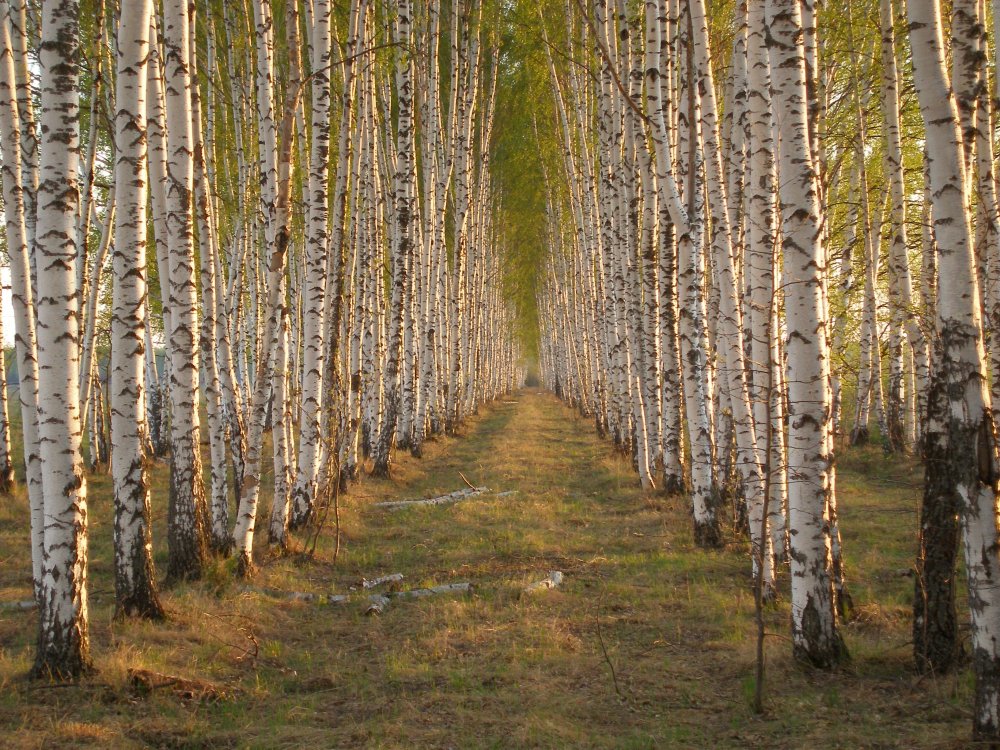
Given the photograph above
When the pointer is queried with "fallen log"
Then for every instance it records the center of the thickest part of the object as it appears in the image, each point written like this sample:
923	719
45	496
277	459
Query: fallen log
379	603
375	582
447	588
554	579
299	596
23	606
451	497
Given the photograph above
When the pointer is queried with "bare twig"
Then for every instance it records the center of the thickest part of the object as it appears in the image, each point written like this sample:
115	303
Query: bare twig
471	485
331	486
607	658
611	66
247	653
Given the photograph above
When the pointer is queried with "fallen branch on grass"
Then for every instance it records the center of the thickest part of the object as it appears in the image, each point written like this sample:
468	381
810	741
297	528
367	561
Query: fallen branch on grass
23	606
554	579
391	578
379	603
446	588
452	497
147	681
299	596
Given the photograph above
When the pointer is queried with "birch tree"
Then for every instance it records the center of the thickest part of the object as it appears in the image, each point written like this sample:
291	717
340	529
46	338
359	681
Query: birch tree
22	292
63	639
402	233
966	475
815	635
315	259
135	580
187	506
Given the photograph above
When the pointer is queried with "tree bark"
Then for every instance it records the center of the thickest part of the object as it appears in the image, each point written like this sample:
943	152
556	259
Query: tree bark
63	639
966	474
135	578
815	636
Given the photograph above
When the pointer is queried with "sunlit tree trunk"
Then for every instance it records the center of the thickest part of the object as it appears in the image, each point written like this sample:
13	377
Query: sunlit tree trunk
693	329
186	532
280	426
759	271
815	636
217	521
63	639
28	128
22	297
730	328
282	382
402	235
966	474
275	170
6	452
135	579
317	237
901	284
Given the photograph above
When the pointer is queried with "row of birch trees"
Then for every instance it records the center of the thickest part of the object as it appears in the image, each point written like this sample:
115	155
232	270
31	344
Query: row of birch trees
230	220
766	227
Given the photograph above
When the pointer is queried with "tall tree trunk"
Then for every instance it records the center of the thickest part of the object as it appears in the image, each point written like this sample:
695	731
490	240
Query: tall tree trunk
900	282
275	181
815	636
304	492
403	246
63	639
28	130
22	297
186	514
135	579
217	519
966	476
759	269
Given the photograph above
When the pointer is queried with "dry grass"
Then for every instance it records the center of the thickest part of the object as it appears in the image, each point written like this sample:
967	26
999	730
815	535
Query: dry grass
647	644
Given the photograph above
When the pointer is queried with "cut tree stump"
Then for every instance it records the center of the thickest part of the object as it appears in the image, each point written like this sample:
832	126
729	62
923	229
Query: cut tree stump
554	579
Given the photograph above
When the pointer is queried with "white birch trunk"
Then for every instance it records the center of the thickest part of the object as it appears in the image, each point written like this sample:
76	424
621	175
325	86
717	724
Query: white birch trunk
303	494
63	641
969	469
135	578
402	247
186	520
815	636
22	297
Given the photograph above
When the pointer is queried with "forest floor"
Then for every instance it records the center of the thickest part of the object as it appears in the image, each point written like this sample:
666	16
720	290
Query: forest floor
648	643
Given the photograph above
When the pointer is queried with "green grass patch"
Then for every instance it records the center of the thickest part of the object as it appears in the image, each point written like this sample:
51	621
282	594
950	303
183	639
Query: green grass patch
648	643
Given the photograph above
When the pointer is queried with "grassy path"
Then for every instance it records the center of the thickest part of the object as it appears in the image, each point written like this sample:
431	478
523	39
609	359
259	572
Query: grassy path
647	644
